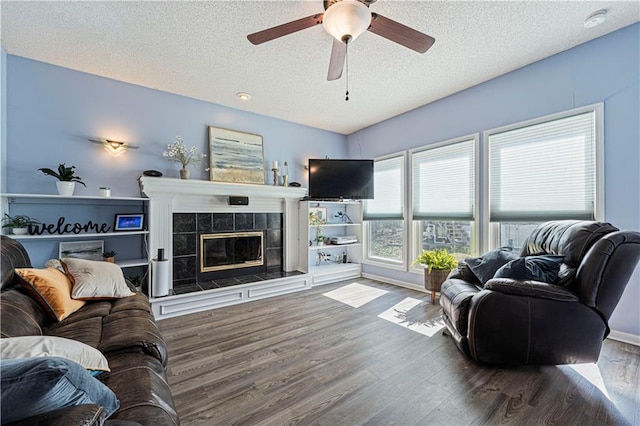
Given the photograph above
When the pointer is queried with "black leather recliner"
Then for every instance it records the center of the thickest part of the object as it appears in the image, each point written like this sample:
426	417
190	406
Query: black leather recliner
531	322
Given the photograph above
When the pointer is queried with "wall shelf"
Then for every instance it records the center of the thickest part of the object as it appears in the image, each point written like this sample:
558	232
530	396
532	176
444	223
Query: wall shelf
49	208
334	246
68	236
331	271
132	262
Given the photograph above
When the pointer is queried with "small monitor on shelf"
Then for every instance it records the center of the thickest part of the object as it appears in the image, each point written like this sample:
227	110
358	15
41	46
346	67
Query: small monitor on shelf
129	222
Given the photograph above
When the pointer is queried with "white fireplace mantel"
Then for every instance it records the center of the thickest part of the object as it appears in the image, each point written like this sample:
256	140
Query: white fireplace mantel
168	196
153	187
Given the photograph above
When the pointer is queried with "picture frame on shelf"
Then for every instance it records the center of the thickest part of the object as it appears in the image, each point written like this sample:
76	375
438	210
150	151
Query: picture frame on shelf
320	215
129	222
235	157
87	250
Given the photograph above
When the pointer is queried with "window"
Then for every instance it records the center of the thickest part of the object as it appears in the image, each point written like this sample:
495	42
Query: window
443	194
384	215
543	170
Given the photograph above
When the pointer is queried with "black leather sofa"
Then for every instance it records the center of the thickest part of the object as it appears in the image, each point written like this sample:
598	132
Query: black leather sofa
124	330
521	322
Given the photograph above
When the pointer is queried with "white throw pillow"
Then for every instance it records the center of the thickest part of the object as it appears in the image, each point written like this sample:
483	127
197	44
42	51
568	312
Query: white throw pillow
36	346
96	279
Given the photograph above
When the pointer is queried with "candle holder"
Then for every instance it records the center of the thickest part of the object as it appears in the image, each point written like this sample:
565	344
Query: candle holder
275	177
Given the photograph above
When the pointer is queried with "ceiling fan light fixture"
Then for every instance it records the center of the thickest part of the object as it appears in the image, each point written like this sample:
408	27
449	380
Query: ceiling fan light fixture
346	20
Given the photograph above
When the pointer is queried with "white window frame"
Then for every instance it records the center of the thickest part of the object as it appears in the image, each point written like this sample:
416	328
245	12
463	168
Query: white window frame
382	262
416	238
491	234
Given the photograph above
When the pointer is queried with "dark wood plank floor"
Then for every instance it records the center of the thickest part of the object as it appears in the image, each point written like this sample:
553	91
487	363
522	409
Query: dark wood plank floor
307	359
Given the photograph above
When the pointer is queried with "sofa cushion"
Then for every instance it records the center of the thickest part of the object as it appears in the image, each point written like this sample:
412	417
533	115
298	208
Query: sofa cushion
142	335
36	386
95	280
569	238
485	266
542	268
12	255
41	346
20	315
87	331
51	288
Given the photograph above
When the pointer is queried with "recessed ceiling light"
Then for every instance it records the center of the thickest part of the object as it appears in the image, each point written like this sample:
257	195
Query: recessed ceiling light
243	96
596	18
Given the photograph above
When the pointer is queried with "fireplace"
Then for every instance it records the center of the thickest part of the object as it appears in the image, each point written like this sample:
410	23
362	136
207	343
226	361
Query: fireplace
230	250
212	250
180	210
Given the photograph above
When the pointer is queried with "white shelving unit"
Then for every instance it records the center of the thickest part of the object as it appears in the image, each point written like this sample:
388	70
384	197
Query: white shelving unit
325	262
48	206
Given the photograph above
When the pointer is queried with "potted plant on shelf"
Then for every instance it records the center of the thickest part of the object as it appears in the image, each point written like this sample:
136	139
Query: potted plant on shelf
109	256
438	264
317	222
66	179
19	224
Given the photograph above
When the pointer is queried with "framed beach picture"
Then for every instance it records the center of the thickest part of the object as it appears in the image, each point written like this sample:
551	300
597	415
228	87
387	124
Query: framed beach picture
235	156
88	250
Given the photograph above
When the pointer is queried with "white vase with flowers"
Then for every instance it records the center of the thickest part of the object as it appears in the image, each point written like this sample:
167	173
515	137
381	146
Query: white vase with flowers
178	151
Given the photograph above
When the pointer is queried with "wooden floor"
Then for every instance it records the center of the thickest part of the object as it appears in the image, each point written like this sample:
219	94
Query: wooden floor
307	359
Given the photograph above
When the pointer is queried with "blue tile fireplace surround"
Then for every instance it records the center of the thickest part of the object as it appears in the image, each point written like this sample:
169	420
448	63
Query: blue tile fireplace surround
187	231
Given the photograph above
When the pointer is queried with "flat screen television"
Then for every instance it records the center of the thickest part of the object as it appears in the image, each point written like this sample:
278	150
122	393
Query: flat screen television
340	179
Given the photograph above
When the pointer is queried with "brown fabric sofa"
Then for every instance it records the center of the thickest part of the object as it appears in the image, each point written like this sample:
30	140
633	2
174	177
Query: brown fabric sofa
124	330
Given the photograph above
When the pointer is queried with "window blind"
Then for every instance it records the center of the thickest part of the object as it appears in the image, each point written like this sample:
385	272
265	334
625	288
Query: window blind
444	182
388	188
544	171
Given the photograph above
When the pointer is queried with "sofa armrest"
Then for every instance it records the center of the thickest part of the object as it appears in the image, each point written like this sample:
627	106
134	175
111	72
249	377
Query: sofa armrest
86	415
530	288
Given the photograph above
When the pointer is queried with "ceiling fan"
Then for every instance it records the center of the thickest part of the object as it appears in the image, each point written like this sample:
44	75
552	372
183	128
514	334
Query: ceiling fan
346	20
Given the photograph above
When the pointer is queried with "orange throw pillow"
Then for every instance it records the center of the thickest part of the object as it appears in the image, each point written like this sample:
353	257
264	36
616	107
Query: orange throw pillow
52	289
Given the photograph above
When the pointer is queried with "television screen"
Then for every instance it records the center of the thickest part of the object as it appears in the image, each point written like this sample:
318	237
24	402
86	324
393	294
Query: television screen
340	179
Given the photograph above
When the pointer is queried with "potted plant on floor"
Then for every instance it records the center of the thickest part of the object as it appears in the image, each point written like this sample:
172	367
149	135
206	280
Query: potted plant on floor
19	224
109	256
438	264
66	179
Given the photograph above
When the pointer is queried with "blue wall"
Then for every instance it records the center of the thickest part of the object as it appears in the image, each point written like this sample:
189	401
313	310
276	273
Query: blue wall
52	111
3	117
603	70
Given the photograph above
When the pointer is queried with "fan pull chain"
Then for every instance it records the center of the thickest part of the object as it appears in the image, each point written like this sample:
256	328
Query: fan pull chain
346	53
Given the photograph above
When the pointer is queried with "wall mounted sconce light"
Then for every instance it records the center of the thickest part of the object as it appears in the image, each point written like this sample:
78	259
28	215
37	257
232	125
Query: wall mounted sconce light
114	148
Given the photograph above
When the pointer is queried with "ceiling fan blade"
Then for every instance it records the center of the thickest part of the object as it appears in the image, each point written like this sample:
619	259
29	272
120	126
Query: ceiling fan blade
401	34
285	29
336	63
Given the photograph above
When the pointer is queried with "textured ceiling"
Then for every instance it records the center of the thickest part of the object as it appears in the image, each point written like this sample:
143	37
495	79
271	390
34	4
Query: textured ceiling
200	50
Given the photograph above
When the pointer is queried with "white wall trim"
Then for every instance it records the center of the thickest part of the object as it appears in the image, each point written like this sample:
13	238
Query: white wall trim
398	283
632	339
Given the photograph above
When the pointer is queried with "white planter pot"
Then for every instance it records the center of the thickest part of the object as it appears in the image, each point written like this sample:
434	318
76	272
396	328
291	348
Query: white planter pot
19	231
65	188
